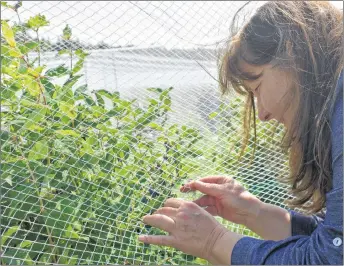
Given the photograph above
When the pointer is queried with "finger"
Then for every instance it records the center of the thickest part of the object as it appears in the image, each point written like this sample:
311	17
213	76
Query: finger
173	202
206	188
205	200
212	210
157	240
168	211
160	221
185	188
208	179
214	179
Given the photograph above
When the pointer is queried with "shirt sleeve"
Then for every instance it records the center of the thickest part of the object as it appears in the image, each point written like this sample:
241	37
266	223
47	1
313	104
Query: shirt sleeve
304	224
320	241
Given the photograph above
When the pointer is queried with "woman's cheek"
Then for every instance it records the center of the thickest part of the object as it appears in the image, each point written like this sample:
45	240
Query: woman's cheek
266	102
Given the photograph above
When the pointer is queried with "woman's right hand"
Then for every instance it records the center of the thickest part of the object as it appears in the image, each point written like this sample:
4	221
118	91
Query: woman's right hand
225	197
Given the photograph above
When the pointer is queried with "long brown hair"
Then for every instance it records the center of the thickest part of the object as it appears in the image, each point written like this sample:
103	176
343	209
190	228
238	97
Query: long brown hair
304	37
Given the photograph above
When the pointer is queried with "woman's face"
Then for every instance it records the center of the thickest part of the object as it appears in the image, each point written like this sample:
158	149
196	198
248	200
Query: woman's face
272	92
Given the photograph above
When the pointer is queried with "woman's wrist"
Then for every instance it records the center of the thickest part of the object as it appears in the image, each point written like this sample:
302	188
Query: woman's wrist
270	222
254	214
251	220
222	251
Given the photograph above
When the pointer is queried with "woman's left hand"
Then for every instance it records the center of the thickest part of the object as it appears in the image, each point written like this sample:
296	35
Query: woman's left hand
192	230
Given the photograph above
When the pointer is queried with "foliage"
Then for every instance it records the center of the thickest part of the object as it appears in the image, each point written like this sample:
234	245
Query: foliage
78	174
79	169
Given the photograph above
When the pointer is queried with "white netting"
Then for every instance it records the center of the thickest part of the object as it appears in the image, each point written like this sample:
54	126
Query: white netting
81	161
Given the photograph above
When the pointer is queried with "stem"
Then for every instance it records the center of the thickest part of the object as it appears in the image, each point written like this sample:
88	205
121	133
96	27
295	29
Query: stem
41	89
39	84
19	19
51	242
41	205
26	61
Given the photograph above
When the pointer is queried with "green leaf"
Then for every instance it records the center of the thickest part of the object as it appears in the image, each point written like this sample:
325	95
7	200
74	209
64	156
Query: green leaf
7	32
156	90
35	117
9	180
164	95
10	51
4	136
81	90
4	3
59	71
16	257
73	260
27	47
70	233
28	103
10	231
70	82
155	126
8	92
37	71
98	111
39	151
212	115
78	66
105	93
61	147
68	110
48	86
25	244
167	101
67	133
81	54
32	86
64	51
67	33
37	22
86	148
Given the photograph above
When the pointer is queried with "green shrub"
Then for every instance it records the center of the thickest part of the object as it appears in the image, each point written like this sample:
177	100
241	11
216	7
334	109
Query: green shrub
78	174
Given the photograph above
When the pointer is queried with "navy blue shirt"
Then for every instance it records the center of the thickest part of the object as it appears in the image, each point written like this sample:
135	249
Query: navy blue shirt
315	239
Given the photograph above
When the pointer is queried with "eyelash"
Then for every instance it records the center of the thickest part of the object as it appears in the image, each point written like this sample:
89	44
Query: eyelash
256	89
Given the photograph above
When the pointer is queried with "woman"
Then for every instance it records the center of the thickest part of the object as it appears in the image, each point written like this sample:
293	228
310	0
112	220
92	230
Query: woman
288	57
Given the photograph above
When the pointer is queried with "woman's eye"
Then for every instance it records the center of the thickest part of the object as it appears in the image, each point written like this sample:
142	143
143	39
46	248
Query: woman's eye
256	89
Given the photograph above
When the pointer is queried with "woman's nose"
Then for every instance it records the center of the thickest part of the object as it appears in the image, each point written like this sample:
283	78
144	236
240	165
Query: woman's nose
263	115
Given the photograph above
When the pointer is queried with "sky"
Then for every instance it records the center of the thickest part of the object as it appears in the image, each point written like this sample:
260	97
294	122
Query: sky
141	23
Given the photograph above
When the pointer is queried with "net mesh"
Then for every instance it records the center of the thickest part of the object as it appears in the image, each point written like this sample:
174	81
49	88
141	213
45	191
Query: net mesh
107	108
